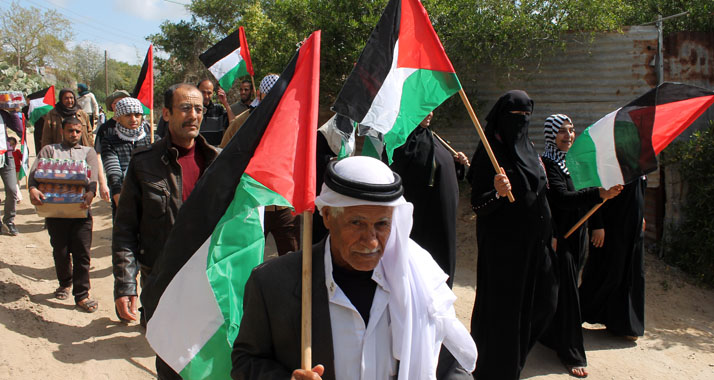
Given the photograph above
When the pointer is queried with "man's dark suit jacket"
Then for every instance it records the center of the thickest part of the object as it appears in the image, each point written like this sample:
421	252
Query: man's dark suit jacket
268	342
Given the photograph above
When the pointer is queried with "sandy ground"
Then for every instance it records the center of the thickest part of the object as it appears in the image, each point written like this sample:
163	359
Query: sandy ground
45	338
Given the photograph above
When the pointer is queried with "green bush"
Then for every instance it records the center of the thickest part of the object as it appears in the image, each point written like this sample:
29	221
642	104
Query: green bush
690	245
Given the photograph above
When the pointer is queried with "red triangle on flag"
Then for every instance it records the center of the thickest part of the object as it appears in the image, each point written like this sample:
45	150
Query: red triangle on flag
50	96
284	160
673	118
419	46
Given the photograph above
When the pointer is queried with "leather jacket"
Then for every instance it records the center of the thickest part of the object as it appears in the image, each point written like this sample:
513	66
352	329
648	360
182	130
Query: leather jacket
148	205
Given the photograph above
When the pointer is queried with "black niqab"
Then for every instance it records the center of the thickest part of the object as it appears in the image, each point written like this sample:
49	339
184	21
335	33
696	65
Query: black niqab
510	131
64	111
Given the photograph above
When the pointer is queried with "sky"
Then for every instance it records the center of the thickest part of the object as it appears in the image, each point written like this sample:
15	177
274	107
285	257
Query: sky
118	26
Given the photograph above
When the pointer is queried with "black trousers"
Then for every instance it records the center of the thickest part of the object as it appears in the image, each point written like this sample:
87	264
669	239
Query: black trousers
285	228
71	241
164	372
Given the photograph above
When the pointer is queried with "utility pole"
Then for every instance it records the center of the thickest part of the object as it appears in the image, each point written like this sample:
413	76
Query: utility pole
660	54
659	64
106	76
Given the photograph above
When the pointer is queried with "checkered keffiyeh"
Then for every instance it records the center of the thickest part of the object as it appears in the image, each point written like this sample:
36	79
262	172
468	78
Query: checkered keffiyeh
550	130
265	86
267	83
128	106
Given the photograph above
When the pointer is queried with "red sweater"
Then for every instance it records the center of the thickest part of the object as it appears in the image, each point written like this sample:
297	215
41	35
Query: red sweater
192	166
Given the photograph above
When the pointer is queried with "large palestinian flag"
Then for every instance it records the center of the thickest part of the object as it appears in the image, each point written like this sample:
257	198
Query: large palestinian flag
194	298
622	146
402	74
229	59
144	89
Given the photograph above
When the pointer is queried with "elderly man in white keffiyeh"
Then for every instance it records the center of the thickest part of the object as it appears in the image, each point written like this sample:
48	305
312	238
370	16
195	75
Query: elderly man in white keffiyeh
381	307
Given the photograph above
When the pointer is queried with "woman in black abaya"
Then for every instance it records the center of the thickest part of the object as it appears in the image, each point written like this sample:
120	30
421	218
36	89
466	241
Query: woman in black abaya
429	176
613	288
516	288
567	206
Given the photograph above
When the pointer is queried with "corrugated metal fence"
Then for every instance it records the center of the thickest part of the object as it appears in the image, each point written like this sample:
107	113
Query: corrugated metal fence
588	80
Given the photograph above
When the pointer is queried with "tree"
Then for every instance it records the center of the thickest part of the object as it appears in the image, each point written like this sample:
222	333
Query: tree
33	38
86	62
184	41
474	32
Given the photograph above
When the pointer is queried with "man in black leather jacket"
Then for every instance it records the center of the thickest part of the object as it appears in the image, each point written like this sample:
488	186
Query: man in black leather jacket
158	180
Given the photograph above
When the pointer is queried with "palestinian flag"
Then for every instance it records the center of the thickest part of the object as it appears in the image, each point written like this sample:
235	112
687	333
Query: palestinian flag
622	146
194	298
373	145
144	89
339	132
40	103
25	151
402	74
229	59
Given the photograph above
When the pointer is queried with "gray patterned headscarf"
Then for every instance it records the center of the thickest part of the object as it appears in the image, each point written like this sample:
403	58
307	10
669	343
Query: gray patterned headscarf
552	126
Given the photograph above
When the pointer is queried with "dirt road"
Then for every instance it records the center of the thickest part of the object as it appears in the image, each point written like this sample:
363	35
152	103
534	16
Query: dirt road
44	338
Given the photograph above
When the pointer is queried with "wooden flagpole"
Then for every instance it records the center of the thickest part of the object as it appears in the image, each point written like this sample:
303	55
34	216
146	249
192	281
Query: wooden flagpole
151	123
484	140
252	81
447	146
583	219
306	337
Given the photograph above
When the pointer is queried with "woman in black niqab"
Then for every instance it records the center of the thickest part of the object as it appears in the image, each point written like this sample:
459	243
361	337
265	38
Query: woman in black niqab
516	287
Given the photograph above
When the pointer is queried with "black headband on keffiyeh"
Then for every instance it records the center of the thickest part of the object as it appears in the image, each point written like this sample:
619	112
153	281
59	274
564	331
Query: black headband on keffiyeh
550	130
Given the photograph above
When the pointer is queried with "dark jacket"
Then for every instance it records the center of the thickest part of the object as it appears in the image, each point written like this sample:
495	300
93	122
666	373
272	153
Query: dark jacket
149	202
268	342
116	154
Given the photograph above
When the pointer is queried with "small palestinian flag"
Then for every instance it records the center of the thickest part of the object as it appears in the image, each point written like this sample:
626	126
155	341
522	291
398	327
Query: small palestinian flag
373	145
25	152
144	89
402	74
229	59
339	132
194	298
622	146
41	102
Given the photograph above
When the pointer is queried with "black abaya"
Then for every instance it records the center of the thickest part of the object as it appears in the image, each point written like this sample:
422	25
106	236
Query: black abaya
516	288
564	334
613	287
429	179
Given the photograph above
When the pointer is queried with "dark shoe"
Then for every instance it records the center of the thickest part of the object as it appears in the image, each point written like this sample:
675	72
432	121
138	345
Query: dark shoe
12	230
62	293
88	305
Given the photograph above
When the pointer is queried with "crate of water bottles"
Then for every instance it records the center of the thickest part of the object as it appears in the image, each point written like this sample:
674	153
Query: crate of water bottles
61	193
67	172
61	201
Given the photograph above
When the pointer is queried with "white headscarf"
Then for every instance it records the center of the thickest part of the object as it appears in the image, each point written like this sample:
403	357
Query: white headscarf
421	305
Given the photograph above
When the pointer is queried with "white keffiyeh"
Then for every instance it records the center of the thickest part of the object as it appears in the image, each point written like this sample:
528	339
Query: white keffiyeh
421	304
